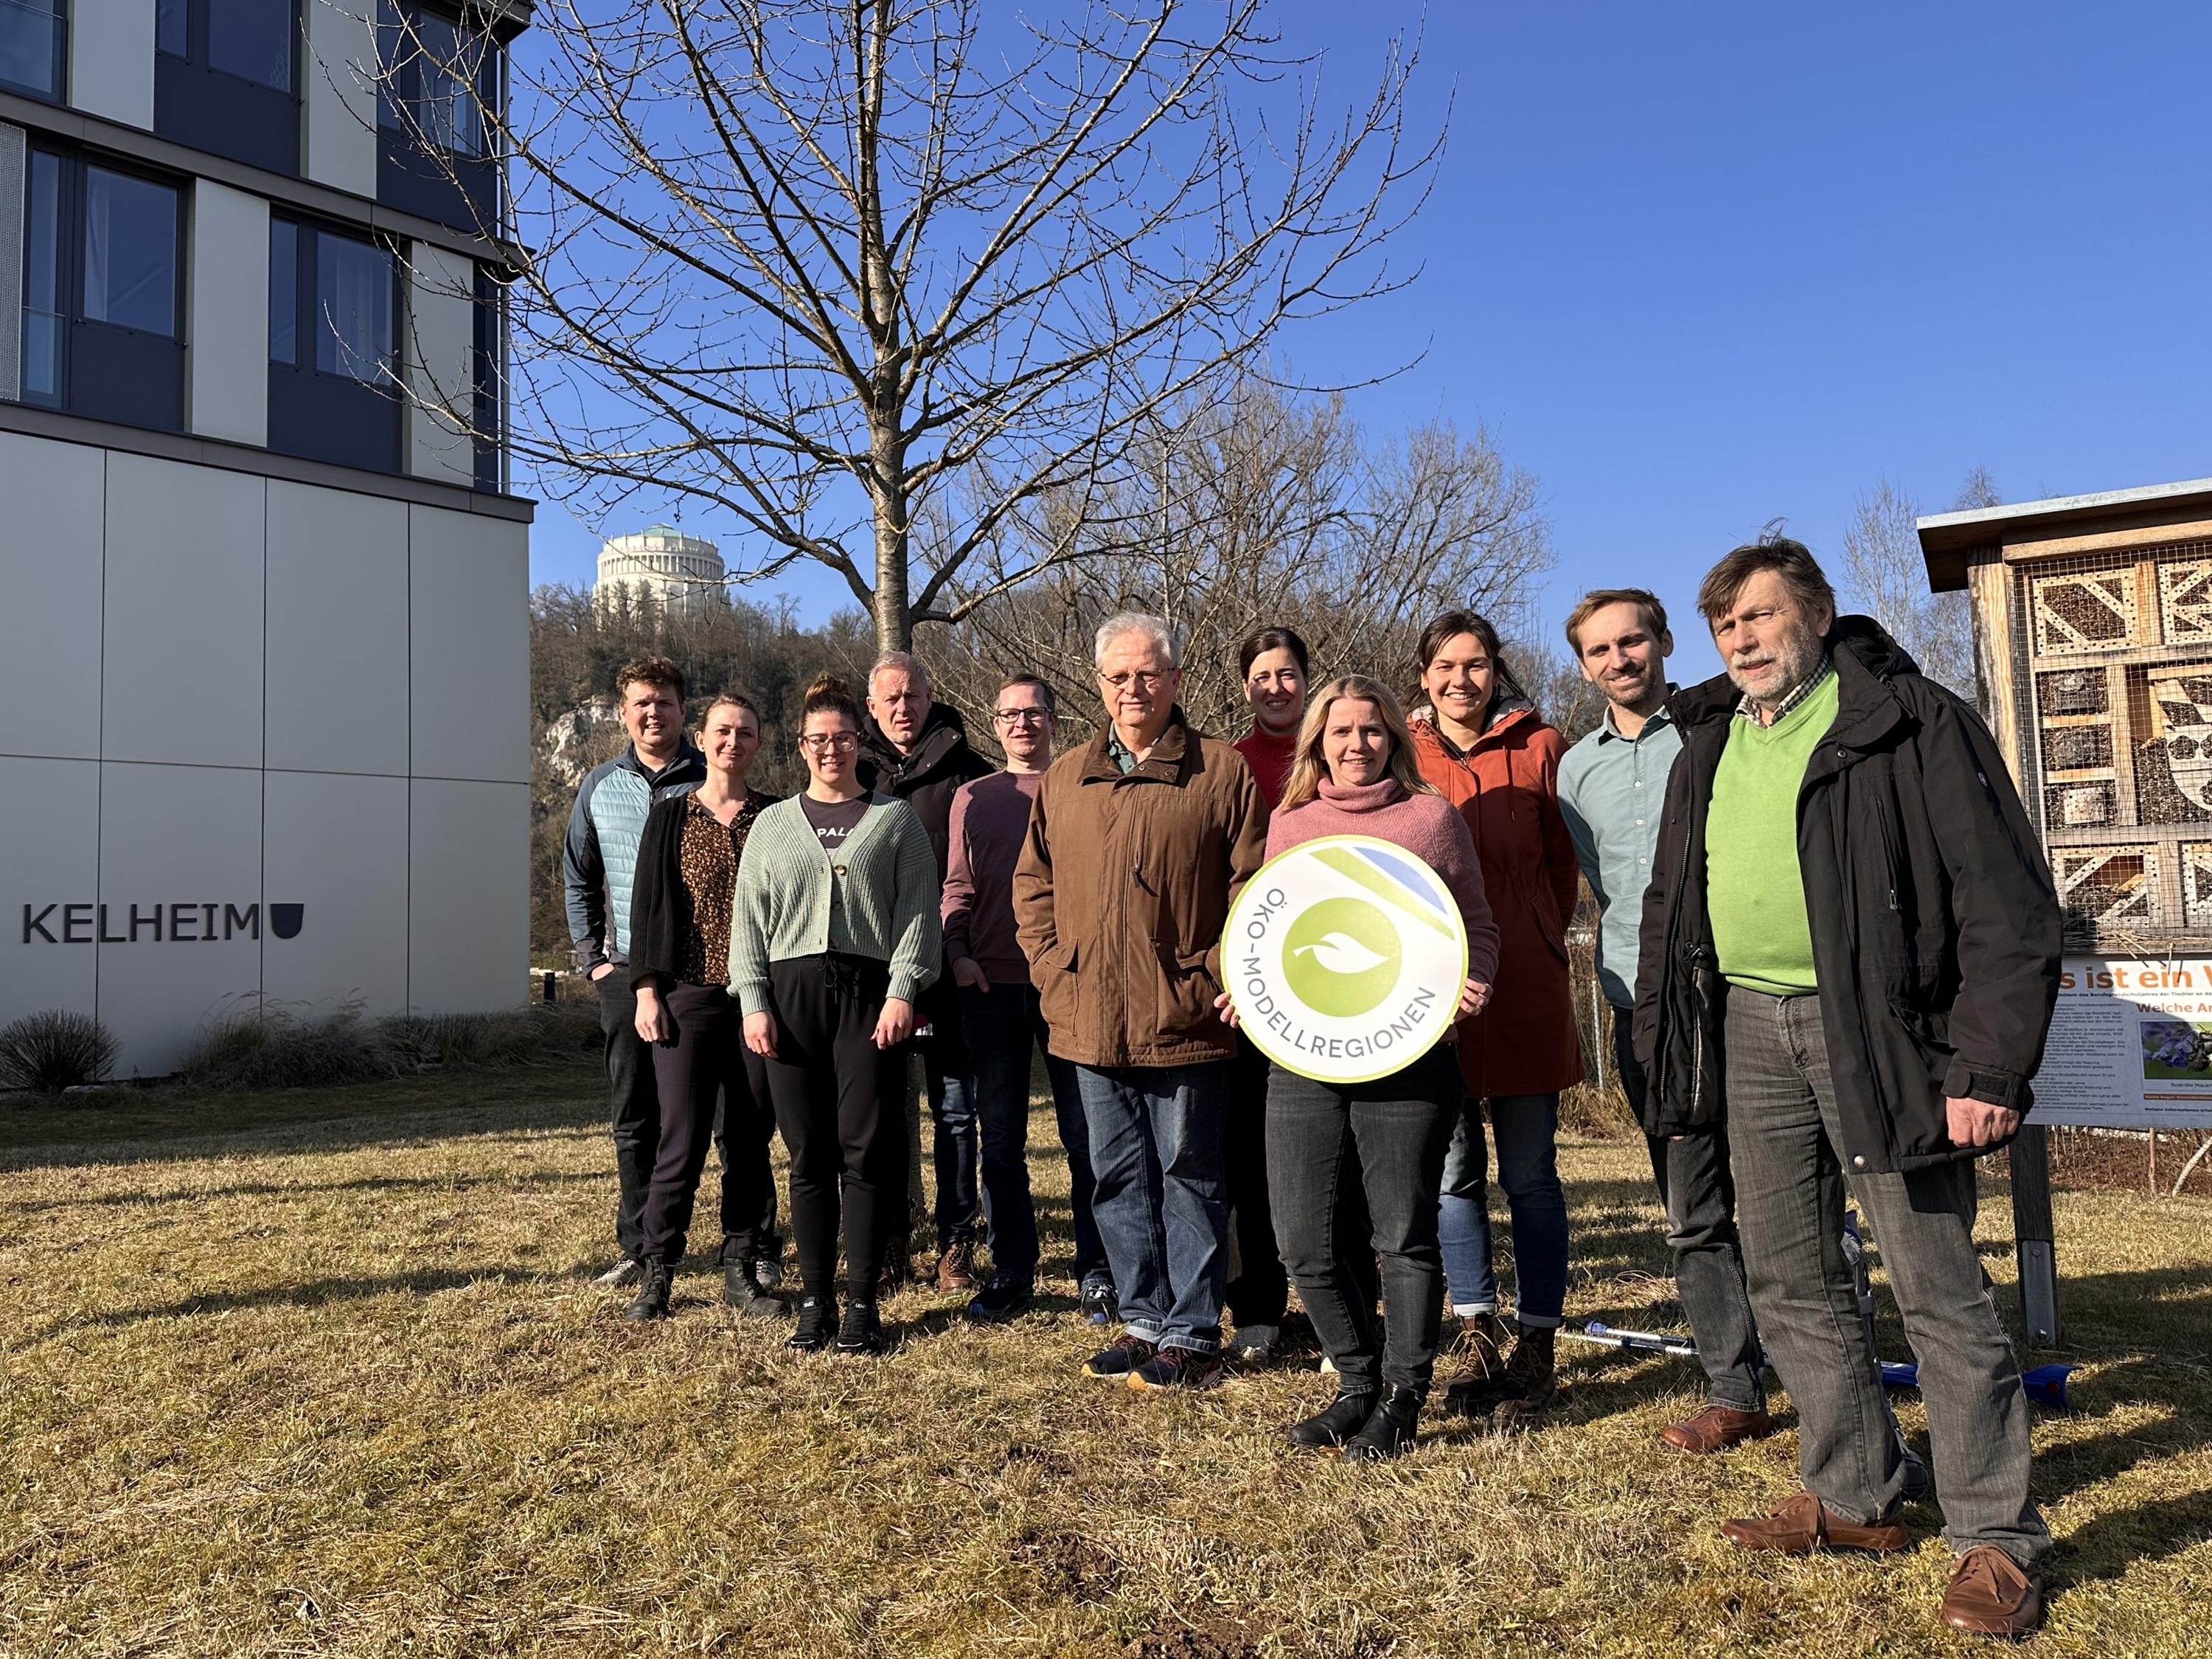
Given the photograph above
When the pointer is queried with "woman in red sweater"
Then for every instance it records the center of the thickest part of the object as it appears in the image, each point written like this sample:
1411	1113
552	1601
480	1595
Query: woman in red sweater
1354	775
1272	664
1486	750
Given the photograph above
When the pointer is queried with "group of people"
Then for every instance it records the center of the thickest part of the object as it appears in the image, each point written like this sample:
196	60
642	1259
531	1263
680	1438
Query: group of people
1827	935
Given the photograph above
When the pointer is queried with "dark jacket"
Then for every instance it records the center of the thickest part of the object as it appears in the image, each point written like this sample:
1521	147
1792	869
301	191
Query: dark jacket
1121	892
660	910
1934	925
598	855
927	777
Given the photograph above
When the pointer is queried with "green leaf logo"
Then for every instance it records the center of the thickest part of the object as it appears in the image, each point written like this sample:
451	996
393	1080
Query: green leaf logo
1341	957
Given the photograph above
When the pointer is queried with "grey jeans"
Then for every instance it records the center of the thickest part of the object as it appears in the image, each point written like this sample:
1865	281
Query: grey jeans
1784	1132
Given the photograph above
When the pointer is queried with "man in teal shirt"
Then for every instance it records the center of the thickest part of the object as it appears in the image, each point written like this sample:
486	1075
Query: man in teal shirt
1611	787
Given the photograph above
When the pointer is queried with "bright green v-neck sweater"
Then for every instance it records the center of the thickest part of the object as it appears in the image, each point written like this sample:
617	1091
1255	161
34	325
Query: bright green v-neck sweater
1753	891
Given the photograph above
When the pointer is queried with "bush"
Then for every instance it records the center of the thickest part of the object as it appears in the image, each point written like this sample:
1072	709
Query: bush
55	1049
522	1036
271	1048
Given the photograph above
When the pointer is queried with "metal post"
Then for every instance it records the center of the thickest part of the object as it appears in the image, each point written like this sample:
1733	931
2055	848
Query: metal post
552	987
2032	1249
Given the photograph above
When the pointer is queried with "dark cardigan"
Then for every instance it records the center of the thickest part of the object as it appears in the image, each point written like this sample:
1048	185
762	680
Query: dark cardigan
660	904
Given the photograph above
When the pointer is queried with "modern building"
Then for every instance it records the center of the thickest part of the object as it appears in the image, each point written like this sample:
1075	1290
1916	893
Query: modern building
264	648
681	574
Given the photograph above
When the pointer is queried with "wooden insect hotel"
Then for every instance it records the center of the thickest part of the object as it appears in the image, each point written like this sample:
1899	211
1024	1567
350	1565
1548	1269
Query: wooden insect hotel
2093	645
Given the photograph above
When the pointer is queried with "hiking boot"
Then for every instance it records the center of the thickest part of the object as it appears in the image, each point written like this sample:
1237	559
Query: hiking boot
898	1266
817	1324
956	1267
1003	1298
1176	1368
1253	1342
1531	1381
1336	1423
625	1273
1991	1595
1478	1343
862	1331
1390	1430
1118	1360
741	1290
1101	1305
652	1299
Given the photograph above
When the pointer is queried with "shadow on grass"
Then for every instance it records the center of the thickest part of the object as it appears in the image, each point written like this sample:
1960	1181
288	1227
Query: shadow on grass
278	1190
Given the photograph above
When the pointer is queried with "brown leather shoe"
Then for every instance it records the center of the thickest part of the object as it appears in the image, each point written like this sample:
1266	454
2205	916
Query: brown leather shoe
1800	1525
956	1269
1716	1429
1990	1595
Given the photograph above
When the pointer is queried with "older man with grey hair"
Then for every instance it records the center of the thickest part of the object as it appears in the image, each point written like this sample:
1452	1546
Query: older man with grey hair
916	749
1138	844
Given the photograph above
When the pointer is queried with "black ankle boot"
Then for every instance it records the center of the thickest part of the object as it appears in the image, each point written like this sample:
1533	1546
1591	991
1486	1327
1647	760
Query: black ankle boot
1390	1429
817	1324
1335	1424
652	1299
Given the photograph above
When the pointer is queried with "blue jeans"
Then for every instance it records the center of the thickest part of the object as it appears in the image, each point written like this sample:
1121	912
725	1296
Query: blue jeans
1526	1127
949	1075
1162	1205
1002	1025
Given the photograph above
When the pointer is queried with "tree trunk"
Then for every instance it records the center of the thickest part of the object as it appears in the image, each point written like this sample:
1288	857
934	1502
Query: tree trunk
894	626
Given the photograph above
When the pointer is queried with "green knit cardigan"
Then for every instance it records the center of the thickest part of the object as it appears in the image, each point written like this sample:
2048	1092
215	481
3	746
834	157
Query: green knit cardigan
884	884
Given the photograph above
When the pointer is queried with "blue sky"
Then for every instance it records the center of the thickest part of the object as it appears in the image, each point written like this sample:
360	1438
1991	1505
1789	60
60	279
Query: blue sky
1700	267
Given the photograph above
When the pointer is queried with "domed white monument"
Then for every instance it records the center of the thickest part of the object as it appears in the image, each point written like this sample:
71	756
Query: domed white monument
682	574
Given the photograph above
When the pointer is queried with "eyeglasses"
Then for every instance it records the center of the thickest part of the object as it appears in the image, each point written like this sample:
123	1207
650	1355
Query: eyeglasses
823	742
1144	681
1021	716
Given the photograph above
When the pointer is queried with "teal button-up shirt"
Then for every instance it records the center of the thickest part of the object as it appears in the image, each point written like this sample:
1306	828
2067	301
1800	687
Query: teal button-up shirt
1611	791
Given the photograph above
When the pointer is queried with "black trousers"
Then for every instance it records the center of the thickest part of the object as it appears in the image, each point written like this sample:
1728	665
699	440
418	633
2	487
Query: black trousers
1258	1288
634	1106
840	1102
706	1062
1386	1137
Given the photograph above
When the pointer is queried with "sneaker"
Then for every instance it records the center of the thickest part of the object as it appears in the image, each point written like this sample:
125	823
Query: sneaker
817	1324
1002	1299
956	1267
1119	1358
1253	1342
652	1299
1176	1368
741	1289
862	1331
1101	1304
625	1273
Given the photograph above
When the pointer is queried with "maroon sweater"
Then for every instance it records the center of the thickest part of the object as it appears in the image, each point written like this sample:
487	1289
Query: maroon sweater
1428	826
990	820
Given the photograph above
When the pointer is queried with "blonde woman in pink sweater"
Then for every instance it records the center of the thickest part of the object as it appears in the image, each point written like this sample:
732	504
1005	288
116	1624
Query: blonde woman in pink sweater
1353	773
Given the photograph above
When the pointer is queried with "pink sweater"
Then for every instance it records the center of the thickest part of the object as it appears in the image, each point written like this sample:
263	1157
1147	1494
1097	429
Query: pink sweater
1427	826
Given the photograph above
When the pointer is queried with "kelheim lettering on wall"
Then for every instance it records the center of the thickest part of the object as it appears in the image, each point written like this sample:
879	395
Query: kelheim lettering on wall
204	922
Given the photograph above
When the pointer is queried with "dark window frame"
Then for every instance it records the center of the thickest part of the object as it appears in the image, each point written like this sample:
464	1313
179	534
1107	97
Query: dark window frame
325	415
59	10
225	112
454	187
110	371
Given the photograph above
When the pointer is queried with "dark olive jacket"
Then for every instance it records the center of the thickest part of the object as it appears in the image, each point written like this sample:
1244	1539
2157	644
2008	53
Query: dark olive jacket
1935	924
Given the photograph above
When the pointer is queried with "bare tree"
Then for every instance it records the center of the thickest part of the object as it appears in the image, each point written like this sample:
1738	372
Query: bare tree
1251	507
842	268
1884	575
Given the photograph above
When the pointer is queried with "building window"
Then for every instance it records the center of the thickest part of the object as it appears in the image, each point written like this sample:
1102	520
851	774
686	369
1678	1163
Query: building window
437	78
333	369
34	46
102	293
227	75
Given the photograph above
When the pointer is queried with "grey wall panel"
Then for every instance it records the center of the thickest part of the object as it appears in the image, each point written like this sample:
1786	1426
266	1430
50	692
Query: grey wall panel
50	827
469	601
49	620
337	848
469	896
337	632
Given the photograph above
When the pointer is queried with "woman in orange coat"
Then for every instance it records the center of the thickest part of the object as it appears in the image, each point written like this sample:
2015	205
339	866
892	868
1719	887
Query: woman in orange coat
1485	749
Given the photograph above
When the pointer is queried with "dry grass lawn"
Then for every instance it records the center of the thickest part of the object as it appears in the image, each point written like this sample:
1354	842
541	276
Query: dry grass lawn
321	1373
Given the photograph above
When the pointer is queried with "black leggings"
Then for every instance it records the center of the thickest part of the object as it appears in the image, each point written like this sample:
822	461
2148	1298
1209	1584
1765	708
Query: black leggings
707	1059
840	1102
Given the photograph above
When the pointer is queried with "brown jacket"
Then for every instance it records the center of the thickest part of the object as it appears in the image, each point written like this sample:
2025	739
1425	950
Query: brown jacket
1122	890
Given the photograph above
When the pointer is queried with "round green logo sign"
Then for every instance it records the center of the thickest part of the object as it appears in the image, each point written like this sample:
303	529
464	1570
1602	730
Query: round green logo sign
1344	958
